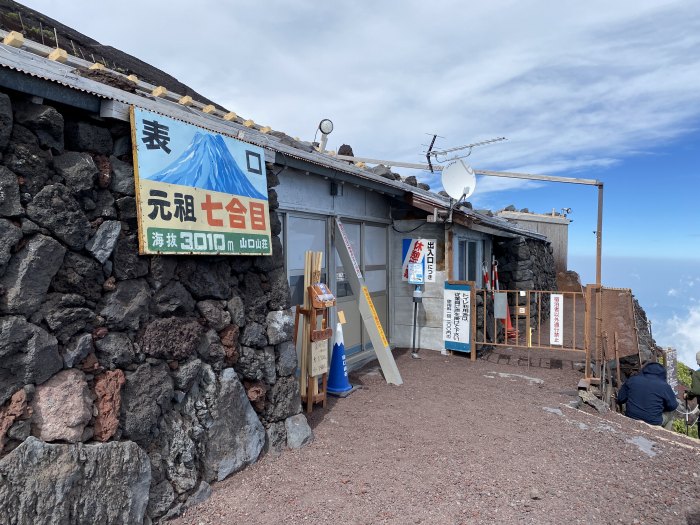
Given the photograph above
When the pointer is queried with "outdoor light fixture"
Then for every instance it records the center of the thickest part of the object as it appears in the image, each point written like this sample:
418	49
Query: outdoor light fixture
325	127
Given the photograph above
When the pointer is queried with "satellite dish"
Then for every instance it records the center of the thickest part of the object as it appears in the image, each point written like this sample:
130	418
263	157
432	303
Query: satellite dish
458	179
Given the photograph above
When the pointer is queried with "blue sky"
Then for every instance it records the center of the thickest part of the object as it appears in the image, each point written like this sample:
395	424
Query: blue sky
598	89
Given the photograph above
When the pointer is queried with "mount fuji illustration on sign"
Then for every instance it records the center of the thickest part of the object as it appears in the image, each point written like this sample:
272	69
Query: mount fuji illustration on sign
208	164
198	192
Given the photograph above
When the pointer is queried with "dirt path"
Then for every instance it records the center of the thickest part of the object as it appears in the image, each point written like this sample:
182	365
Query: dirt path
464	442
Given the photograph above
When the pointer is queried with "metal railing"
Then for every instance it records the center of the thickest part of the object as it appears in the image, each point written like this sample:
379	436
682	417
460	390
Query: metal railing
522	318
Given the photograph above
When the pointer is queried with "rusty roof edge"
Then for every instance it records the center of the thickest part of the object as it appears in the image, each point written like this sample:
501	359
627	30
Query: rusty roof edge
479	218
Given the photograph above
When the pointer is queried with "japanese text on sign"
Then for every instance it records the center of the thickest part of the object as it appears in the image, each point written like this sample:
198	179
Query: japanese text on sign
319	358
198	192
556	319
457	317
421	251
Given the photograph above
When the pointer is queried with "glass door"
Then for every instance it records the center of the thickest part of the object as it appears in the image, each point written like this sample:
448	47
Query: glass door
346	300
374	257
469	260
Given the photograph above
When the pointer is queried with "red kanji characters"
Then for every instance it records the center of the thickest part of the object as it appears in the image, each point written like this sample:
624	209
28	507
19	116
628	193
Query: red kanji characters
209	206
236	213
257	216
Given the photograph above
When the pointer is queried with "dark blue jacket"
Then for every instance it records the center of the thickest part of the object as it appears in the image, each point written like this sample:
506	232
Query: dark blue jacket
648	395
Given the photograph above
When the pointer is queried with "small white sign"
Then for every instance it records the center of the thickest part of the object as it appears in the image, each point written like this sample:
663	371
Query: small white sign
415	273
430	260
556	319
319	358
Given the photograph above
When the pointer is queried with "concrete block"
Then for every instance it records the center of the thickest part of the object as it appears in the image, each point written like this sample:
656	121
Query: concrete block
58	55
14	39
159	91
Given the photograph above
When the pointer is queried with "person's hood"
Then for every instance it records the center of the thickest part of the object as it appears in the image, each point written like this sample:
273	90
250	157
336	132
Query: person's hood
655	369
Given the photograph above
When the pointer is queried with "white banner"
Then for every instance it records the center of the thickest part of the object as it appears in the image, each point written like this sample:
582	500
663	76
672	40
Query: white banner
556	319
456	318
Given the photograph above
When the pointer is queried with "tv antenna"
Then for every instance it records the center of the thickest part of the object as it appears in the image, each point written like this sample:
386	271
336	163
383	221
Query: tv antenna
441	156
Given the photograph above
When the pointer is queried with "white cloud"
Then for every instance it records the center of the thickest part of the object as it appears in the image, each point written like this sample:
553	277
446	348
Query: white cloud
572	85
683	334
672	292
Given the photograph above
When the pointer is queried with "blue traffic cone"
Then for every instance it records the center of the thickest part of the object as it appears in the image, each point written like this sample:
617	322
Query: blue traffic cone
338	377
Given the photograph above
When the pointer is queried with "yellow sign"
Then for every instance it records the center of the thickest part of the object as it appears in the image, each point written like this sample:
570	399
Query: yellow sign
341	317
319	358
375	317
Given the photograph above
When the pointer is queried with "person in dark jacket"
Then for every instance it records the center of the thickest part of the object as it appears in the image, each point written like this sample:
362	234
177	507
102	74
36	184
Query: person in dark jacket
648	397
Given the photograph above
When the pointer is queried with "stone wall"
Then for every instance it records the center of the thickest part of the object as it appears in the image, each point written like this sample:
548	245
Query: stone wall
127	383
523	264
526	264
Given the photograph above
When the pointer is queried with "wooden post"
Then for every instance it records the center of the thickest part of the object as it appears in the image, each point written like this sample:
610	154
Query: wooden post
315	304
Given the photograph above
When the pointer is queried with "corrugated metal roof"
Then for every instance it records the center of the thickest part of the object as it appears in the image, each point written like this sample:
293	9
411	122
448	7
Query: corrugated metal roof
66	75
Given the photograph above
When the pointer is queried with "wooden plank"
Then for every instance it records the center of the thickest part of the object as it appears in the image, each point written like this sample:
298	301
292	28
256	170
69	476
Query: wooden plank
366	306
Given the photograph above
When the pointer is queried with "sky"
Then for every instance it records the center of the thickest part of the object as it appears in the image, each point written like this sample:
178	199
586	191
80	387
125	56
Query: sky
597	90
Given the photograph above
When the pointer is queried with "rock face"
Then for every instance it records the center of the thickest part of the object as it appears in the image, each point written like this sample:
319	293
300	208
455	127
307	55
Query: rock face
28	355
172	338
280	325
147	395
62	407
44	121
100	483
5	120
115	350
56	210
82	136
118	355
236	438
14	410
298	431
9	193
103	242
81	275
9	236
78	170
108	393
526	264
29	274
127	306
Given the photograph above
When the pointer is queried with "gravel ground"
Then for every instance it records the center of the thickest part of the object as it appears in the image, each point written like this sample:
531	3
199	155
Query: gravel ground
462	442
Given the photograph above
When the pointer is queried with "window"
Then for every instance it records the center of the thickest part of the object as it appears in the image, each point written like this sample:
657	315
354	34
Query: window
352	230
468	261
308	234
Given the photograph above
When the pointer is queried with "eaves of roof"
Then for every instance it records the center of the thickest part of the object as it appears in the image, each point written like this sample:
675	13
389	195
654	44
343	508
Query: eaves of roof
283	150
